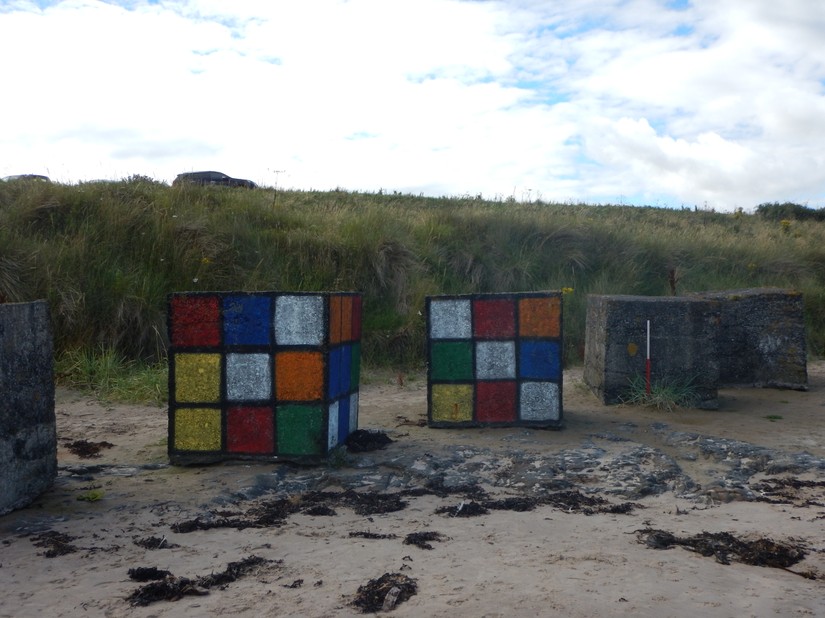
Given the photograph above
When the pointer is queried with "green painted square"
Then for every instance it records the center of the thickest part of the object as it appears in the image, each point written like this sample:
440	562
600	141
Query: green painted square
300	430
451	360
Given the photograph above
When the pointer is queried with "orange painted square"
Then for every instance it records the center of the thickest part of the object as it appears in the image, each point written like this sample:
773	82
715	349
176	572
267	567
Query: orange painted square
540	317
299	376
346	318
335	307
340	318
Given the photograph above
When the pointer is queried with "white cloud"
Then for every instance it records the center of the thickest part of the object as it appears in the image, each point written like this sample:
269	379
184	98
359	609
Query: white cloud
712	101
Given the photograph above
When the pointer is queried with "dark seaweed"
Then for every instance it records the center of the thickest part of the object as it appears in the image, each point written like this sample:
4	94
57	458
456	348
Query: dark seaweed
153	542
362	441
724	547
422	539
465	509
87	450
175	588
56	543
147	574
372	535
371	596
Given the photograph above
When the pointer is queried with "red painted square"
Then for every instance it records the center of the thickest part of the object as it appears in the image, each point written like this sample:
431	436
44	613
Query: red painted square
496	402
195	321
250	430
494	318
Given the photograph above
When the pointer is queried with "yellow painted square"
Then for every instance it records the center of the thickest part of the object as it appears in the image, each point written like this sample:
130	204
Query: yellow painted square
197	378
451	403
197	429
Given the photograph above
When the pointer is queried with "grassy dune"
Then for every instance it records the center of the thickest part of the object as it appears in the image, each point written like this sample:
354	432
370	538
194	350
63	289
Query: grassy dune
105	256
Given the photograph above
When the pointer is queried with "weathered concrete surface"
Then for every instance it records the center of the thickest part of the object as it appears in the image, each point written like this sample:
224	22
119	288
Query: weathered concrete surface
28	438
683	334
762	338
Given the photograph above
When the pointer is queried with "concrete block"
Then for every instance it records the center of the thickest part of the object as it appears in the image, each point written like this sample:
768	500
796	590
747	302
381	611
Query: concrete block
762	338
494	360
262	375
28	435
683	334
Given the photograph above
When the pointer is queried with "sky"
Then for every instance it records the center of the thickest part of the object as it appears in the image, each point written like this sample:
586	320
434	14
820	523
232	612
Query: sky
715	104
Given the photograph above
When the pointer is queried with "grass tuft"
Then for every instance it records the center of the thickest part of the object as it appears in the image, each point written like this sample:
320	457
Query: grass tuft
109	376
664	395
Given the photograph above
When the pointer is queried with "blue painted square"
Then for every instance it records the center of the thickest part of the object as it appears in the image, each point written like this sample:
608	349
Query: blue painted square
346	369
540	360
246	320
340	371
333	373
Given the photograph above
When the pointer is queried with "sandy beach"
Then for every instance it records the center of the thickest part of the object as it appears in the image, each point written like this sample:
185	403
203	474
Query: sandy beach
626	511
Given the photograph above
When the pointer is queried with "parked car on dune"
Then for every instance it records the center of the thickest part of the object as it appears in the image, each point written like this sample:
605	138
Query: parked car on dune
212	178
31	177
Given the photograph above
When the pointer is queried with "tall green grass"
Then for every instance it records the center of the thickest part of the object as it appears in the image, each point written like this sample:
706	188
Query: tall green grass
109	376
106	255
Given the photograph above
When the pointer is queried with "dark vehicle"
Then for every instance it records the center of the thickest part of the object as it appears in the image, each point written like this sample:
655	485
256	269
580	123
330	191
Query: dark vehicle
212	178
32	177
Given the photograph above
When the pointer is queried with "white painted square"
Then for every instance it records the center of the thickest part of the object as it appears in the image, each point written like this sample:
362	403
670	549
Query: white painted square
539	401
451	319
299	320
495	360
248	377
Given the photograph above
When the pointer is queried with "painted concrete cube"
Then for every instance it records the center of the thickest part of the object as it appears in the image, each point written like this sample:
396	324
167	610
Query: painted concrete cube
494	360
262	375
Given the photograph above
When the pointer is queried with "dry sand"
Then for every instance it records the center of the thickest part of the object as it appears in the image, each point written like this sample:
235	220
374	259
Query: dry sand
722	472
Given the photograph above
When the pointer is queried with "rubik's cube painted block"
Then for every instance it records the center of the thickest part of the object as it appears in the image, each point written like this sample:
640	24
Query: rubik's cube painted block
494	360
262	375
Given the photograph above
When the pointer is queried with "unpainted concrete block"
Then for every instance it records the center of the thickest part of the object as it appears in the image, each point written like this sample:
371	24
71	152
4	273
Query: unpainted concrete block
28	436
683	333
762	338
